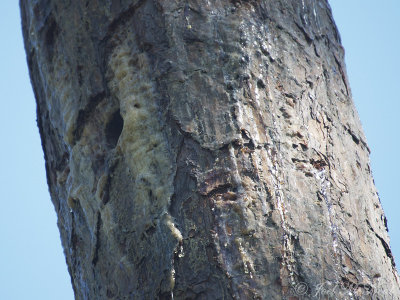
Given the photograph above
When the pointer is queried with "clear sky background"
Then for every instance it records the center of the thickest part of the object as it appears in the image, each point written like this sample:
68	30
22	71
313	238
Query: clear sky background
32	264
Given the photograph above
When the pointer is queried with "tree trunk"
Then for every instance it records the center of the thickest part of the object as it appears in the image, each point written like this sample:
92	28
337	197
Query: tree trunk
205	150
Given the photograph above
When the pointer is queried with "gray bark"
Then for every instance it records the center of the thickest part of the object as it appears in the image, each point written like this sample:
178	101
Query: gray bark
205	150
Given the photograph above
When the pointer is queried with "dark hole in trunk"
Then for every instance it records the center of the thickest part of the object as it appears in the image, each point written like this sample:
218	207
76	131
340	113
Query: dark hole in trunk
114	129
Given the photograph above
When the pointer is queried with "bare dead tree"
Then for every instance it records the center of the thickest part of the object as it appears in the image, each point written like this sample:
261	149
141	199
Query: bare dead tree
205	150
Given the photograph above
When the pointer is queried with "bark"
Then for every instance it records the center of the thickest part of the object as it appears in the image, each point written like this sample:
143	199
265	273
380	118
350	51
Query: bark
205	150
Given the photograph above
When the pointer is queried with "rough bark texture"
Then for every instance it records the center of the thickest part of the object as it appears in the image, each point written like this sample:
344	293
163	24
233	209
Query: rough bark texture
205	150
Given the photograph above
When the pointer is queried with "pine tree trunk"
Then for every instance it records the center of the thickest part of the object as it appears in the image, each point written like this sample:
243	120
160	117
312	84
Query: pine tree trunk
205	150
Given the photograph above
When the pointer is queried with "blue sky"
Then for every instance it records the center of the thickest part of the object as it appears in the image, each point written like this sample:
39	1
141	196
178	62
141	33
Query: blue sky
32	265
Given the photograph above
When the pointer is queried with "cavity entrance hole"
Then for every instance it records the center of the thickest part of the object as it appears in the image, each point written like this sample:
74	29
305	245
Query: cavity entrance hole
114	129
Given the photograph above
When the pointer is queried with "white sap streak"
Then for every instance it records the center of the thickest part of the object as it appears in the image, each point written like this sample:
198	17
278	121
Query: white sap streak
252	124
324	189
277	181
304	16
235	173
239	115
274	161
256	94
316	19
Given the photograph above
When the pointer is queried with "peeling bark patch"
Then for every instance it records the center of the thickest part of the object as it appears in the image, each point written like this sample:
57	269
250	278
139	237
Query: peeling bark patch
356	139
353	136
214	180
318	164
